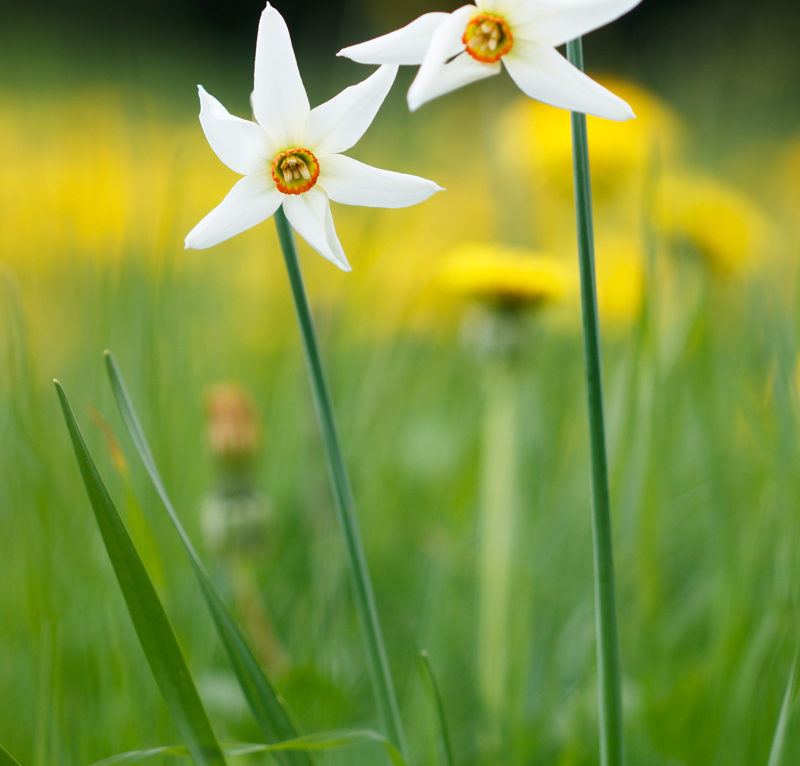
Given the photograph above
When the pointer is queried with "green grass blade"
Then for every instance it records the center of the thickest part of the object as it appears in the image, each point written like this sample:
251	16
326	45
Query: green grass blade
6	759
135	756
268	708
326	740
776	751
147	613
444	732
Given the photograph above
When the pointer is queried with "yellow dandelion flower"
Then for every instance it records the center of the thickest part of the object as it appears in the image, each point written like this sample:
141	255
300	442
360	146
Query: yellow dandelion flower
723	225
620	279
538	140
504	277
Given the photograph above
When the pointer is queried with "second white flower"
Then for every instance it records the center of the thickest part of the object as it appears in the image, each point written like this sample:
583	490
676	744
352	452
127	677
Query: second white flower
469	44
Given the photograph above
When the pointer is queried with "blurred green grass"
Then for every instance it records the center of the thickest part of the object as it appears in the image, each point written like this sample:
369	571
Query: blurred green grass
100	184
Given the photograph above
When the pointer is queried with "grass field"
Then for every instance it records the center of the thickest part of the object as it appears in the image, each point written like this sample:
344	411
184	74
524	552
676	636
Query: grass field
697	272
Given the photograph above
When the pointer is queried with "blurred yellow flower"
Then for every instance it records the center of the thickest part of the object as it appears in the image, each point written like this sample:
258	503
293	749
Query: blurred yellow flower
92	182
503	276
723	225
537	140
620	279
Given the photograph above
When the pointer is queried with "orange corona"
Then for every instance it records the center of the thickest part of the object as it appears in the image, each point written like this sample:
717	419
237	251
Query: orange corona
488	38
295	171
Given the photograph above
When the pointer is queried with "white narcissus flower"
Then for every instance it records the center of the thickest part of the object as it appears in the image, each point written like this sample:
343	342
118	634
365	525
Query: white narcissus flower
458	48
290	155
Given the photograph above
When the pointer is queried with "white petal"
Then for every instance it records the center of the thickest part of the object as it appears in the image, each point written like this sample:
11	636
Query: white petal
436	77
554	22
461	71
310	216
406	45
337	124
544	74
499	7
279	99
252	200
242	145
353	183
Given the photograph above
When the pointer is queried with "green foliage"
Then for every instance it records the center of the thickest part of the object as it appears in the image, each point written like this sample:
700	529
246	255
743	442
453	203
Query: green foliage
320	742
265	704
441	718
779	740
6	759
148	616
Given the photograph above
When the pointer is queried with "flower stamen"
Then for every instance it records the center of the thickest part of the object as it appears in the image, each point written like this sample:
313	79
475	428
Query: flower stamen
295	171
487	38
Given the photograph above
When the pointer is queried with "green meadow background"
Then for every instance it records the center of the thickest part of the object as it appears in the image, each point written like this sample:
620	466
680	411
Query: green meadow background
104	169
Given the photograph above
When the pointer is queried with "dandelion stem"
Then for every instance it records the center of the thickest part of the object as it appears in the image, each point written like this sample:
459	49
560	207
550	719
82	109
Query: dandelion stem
496	535
609	692
343	496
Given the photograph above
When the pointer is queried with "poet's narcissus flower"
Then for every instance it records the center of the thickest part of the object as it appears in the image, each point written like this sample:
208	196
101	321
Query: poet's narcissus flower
470	43
290	155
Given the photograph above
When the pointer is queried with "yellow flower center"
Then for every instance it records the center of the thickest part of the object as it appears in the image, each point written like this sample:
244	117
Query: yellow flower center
488	38
295	171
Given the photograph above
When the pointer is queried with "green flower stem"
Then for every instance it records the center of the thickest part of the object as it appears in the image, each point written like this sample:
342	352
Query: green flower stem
611	740
496	536
343	496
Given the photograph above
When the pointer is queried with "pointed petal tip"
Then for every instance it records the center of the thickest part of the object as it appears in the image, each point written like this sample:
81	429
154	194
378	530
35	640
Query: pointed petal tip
414	102
623	113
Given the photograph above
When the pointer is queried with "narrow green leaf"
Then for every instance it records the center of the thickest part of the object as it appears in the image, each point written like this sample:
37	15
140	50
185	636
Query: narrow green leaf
327	740
444	733
134	756
267	706
147	613
6	759
778	741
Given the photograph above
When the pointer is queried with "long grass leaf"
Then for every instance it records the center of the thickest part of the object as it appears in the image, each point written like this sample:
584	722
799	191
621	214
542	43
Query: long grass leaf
147	613
6	759
778	741
327	740
268	708
444	733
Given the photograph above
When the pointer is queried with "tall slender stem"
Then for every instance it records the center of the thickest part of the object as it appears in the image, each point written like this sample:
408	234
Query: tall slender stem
609	692
343	496
496	536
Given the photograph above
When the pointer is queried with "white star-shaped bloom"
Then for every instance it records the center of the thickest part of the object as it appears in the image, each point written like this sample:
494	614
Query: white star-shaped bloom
290	155
469	44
